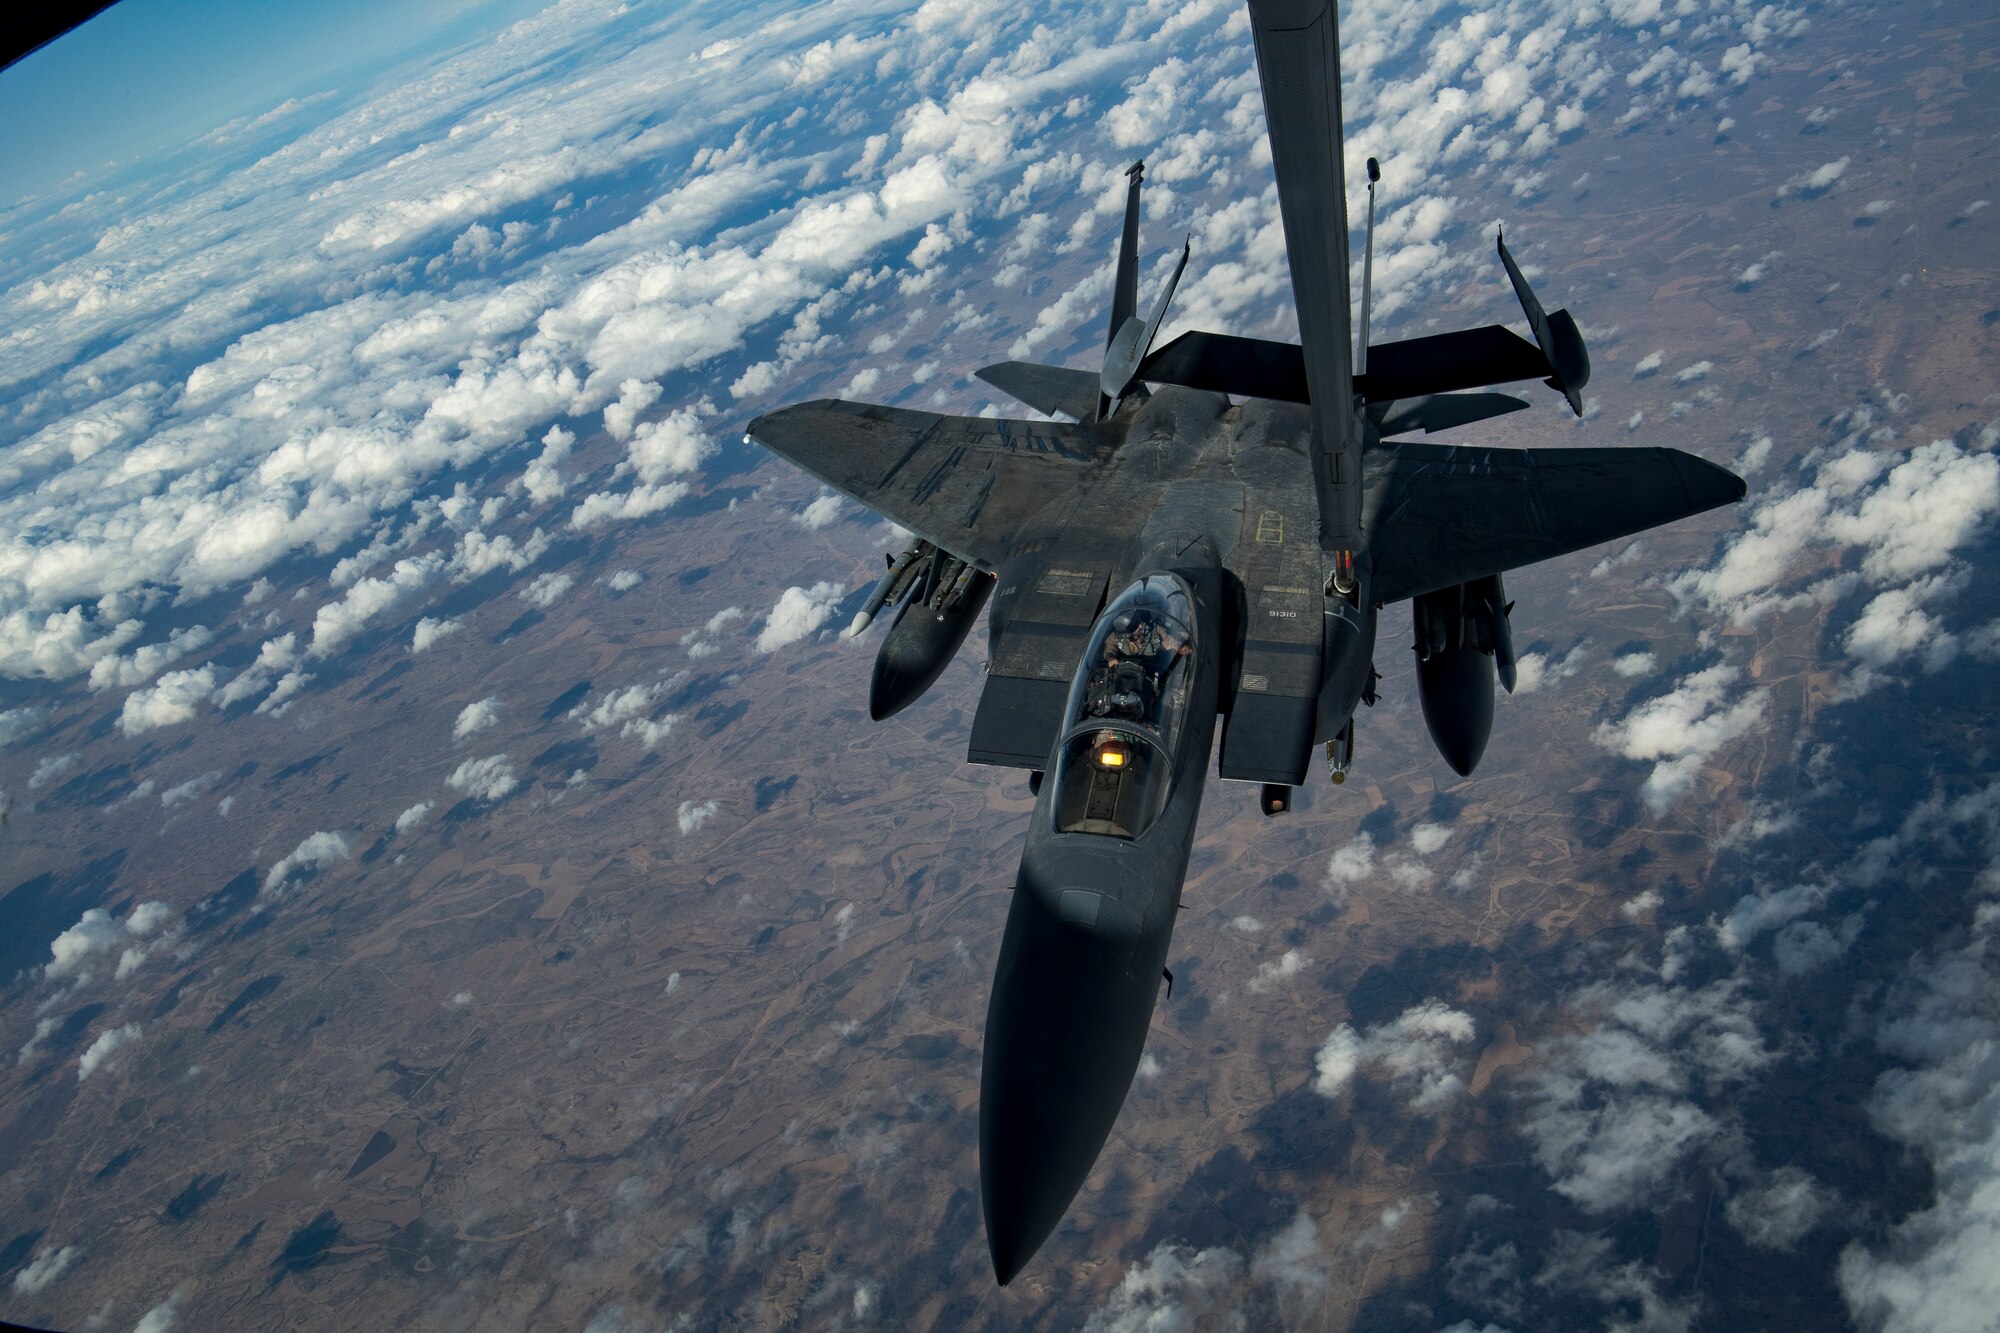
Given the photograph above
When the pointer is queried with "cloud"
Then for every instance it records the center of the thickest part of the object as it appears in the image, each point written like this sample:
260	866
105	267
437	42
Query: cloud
1778	1211
337	622
1533	671
1689	374
624	580
1415	1051
1939	1024
488	779
639	502
1610	1111
819	513
799	612
1174	1287
702	643
672	445
1631	666
543	478
413	816
53	767
1649	364
692	815
475	718
545	590
16	723
98	932
1429	838
103	1051
115	672
315	851
169	702
1280	969
1351	864
274	658
634	397
1812	184
429	631
49	1264
1682	729
628	710
162	1317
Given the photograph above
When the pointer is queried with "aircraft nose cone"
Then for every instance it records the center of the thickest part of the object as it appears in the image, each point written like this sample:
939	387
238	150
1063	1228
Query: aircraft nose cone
1064	1031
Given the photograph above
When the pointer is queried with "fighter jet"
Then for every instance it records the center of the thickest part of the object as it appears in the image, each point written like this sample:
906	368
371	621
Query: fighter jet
1206	544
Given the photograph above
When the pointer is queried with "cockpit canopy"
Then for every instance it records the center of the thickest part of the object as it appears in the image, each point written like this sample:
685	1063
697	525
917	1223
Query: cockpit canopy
1114	770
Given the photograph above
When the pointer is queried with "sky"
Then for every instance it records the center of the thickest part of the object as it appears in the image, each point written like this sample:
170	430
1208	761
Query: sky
147	75
323	386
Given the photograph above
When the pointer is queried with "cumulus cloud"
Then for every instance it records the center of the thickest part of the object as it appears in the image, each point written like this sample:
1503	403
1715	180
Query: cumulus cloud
543	479
545	590
488	779
1812	184
1612	1112
114	671
52	768
1429	838
97	932
275	657
169	702
1776	1212
693	814
1174	1287
1350	865
413	816
624	580
429	631
634	397
337	622
617	506
315	851
799	612
631	711
1417	1051
819	513
48	1264
1679	731
475	718
1280	969
1533	671
104	1051
162	1317
1940	1024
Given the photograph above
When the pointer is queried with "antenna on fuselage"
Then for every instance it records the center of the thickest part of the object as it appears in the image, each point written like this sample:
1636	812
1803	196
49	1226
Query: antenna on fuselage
1367	270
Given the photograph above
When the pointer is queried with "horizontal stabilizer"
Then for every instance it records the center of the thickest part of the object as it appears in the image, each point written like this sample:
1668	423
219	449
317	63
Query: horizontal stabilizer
1445	362
1047	389
1440	411
1225	363
1413	368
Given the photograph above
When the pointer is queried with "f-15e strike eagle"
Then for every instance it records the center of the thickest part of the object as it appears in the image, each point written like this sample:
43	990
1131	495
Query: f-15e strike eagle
1207	547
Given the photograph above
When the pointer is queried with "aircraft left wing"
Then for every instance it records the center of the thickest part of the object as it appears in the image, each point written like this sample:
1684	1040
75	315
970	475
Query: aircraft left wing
1440	515
966	484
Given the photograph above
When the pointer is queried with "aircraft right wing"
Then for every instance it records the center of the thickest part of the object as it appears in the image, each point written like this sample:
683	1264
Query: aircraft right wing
1439	515
966	484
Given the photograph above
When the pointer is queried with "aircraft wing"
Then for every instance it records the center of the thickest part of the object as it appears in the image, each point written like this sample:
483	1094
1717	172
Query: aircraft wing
966	484
1439	515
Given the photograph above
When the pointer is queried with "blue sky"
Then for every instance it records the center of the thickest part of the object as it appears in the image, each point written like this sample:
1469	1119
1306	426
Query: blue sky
147	75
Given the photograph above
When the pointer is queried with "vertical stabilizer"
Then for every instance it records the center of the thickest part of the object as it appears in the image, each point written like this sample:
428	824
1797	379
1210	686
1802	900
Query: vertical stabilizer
1125	288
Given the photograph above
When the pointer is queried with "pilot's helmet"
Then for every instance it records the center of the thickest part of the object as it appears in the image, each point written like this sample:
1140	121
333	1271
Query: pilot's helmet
1122	622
